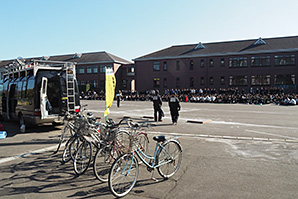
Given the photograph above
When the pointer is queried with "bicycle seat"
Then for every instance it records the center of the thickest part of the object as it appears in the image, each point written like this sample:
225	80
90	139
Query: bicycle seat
160	138
90	114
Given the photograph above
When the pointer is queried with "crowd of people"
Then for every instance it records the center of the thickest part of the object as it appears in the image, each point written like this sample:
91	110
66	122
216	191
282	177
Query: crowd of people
261	95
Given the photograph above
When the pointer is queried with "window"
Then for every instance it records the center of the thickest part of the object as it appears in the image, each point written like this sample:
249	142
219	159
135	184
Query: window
284	60
165	84
191	65
101	83
211	63
178	65
24	89
211	81
202	63
94	84
222	62
202	81
124	83
178	82
80	70
19	90
165	67
89	69
130	71
156	66
222	80
191	82
260	80
156	82
102	69
30	88
238	81
94	69
260	61
238	62
284	79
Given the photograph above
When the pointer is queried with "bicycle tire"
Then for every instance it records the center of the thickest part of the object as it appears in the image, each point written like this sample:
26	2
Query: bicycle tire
66	153
122	141
123	175
103	161
175	150
82	158
142	141
66	130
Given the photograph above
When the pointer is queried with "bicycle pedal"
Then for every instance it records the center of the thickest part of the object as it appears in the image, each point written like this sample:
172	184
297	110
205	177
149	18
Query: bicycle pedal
154	179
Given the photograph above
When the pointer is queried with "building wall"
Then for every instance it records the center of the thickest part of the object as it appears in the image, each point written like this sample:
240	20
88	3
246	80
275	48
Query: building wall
145	74
125	76
96	80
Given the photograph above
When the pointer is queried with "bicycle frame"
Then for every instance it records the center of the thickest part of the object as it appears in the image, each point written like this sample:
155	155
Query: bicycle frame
143	156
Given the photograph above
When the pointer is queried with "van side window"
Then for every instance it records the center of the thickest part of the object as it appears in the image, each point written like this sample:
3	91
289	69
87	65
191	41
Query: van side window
24	93
19	90
30	89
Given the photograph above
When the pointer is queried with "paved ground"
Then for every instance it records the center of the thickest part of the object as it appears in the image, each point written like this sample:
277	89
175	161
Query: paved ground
246	151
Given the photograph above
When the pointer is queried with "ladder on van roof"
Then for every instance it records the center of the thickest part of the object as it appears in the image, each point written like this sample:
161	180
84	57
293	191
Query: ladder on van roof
70	88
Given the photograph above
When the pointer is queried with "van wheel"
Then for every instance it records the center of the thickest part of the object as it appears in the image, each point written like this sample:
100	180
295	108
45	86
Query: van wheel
22	124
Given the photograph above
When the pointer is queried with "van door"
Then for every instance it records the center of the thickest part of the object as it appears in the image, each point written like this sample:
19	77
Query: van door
43	98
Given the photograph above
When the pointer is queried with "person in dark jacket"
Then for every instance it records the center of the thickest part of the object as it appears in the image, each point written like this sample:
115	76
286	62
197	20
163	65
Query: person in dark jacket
118	97
157	103
174	106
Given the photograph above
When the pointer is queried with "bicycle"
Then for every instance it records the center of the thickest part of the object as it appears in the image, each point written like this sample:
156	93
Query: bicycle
124	171
78	125
110	143
69	127
107	154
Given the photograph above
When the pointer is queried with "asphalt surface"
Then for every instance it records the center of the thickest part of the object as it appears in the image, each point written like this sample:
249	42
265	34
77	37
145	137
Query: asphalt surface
241	151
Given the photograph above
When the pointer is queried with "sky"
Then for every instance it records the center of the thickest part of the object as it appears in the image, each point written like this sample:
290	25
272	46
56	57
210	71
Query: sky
133	28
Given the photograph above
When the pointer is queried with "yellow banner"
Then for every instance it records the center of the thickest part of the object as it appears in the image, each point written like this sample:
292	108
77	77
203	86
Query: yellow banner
110	89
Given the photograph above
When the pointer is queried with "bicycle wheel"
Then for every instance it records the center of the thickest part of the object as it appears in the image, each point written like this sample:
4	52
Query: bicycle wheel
83	157
66	132
170	157
69	148
122	140
142	142
123	175
103	161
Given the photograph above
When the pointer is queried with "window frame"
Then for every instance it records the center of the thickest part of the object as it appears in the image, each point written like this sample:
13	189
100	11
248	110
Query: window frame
156	66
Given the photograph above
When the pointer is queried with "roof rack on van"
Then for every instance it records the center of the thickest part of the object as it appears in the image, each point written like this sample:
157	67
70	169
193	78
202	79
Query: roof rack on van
20	64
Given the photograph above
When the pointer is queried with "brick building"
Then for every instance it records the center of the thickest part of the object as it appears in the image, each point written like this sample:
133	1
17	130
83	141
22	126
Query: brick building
267	62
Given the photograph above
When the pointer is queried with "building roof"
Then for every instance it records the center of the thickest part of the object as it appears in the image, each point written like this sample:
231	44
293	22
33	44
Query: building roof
252	46
84	58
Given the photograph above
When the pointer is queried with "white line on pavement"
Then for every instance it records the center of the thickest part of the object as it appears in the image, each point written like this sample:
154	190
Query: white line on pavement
277	135
27	154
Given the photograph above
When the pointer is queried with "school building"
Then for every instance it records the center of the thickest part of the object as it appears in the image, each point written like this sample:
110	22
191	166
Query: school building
254	63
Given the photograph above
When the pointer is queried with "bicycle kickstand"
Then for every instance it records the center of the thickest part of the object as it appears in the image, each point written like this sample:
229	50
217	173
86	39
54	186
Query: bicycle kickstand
152	177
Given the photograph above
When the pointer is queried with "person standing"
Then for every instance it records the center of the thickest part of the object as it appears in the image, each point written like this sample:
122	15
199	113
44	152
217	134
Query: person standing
174	106
118	97
157	103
